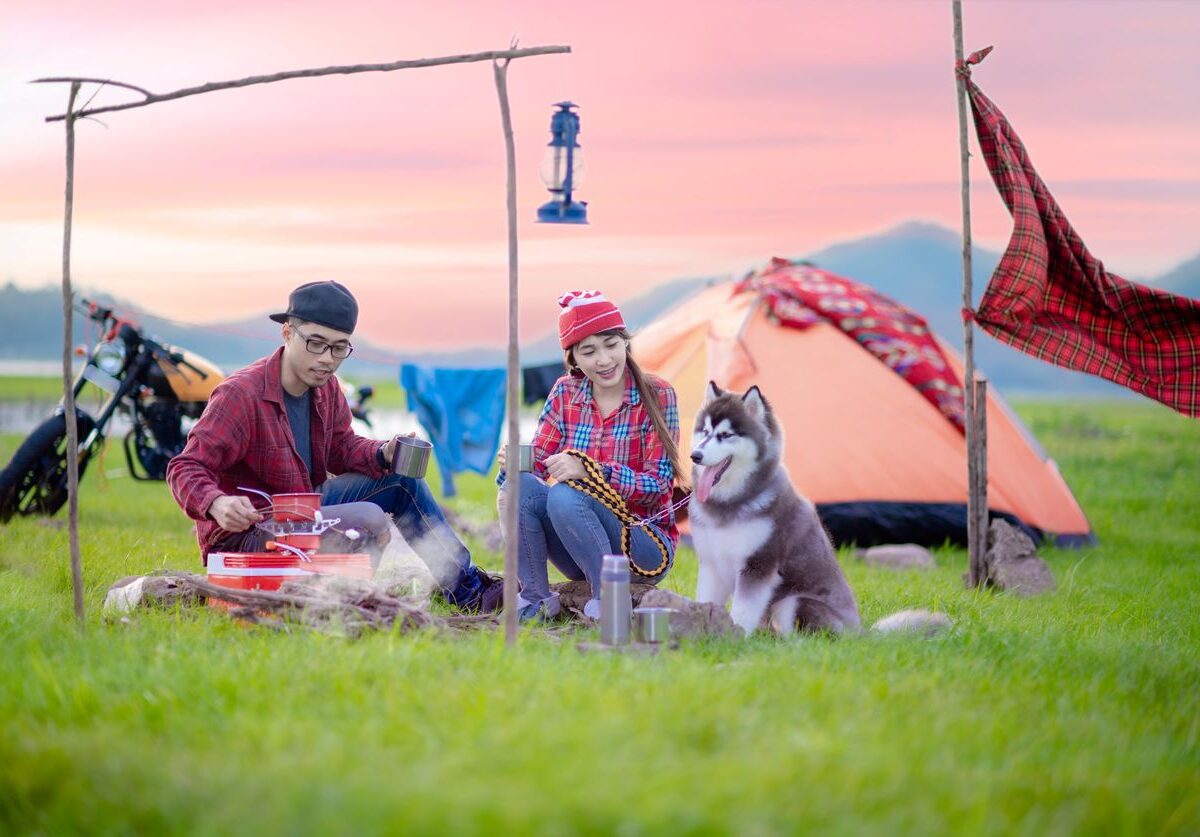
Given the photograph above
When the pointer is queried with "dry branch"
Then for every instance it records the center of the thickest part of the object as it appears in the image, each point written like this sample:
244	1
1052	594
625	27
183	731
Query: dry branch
346	69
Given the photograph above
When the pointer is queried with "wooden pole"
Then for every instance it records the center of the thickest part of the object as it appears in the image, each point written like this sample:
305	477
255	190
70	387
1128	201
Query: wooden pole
512	480
149	98
974	501
68	377
981	476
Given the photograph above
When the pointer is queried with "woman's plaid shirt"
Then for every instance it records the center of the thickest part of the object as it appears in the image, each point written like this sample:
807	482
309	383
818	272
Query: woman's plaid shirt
625	443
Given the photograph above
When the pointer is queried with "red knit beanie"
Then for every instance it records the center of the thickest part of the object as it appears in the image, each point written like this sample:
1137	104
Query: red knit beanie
583	314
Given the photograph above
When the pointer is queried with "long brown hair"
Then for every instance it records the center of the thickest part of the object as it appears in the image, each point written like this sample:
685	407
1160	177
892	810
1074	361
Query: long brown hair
649	401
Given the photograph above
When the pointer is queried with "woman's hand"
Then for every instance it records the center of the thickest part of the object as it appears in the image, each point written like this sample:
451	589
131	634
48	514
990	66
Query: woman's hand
563	466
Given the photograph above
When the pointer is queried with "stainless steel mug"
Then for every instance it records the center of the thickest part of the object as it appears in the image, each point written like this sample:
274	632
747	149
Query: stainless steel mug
652	624
525	458
410	458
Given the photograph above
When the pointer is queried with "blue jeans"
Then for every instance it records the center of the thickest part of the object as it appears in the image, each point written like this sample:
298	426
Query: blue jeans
418	517
567	527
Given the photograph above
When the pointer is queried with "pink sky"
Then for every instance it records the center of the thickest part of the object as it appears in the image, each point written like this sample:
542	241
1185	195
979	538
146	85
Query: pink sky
717	134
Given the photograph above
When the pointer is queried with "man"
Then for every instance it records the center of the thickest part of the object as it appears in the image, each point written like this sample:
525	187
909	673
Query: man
282	425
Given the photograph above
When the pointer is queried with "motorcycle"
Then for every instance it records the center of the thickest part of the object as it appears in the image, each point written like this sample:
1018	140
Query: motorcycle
357	398
156	385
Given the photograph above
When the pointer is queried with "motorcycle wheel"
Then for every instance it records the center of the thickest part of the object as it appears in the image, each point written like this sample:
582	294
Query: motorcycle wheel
35	479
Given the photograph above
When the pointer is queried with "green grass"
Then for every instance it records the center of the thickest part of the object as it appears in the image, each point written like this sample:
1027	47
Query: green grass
41	388
1074	712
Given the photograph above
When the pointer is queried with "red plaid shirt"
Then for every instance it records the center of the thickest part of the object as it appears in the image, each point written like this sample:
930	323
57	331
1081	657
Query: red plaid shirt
625	443
1052	299
244	438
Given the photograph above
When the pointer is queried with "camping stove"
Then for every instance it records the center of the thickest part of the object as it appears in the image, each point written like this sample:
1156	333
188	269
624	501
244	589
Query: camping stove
299	538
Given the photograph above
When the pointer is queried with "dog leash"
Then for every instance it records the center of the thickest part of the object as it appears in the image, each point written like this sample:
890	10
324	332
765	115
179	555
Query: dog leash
596	487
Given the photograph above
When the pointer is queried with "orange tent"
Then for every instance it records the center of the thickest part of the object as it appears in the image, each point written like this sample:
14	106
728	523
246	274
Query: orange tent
882	463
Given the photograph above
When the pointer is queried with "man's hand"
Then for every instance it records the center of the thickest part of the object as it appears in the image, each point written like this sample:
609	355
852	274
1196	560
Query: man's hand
234	514
563	466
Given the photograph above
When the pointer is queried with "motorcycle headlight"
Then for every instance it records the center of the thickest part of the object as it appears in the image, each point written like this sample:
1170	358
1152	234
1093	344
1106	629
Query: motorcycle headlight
110	356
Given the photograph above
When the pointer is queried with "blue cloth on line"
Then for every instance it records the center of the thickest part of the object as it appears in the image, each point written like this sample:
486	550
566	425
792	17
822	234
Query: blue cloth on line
462	411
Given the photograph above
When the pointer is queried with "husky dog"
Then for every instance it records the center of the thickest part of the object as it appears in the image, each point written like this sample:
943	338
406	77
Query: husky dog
760	541
755	537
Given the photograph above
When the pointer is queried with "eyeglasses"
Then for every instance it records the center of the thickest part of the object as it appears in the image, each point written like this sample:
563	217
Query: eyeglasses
319	347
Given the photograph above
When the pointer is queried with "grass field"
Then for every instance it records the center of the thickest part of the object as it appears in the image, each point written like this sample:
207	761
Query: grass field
44	389
1077	712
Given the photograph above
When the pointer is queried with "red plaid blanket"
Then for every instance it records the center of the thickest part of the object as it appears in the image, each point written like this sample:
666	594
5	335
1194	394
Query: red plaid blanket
799	295
1052	299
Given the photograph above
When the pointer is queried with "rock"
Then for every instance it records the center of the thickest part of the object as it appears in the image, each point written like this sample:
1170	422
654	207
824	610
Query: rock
923	622
137	591
901	556
575	594
1012	564
693	618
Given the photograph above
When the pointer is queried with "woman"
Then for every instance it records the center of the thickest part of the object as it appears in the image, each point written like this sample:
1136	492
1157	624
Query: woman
608	440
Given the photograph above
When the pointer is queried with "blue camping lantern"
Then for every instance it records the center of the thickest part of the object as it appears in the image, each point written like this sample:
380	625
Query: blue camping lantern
561	169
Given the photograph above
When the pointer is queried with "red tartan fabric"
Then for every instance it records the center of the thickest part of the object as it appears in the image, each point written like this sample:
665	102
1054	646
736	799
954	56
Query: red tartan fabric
1050	298
799	295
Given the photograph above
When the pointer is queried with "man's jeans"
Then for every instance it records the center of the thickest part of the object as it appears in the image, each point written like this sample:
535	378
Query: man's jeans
573	531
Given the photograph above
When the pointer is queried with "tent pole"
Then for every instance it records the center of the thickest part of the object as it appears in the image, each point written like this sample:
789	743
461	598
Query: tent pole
512	481
976	491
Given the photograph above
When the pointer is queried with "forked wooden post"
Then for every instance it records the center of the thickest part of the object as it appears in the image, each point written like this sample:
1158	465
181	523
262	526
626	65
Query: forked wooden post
512	477
68	299
976	491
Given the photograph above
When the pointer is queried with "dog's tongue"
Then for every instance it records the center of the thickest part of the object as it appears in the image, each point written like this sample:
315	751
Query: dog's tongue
710	475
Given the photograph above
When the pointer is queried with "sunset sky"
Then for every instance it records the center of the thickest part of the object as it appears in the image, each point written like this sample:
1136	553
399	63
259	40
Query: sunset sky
716	135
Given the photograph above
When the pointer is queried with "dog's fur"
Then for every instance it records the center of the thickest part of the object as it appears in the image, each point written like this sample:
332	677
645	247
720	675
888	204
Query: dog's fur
758	540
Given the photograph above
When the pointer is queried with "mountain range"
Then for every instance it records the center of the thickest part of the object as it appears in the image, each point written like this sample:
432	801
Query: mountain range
915	263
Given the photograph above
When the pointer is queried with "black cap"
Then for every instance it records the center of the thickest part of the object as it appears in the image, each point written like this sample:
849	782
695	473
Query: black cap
324	303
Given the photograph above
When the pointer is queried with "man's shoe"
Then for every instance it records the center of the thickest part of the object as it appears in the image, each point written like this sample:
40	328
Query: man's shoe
492	598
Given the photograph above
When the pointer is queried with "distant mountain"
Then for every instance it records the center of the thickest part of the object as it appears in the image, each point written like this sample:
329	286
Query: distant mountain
920	265
1183	280
31	330
915	263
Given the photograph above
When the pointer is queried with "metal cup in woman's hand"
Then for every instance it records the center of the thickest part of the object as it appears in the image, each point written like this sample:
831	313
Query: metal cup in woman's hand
525	458
410	457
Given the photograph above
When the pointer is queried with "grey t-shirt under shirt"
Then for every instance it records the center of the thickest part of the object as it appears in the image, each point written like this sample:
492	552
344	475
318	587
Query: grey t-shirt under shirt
299	418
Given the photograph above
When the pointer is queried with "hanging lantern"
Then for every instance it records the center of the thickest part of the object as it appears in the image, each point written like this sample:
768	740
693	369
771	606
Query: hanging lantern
561	169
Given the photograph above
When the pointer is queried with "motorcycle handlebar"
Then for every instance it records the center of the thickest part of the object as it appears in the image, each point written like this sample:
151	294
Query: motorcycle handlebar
178	359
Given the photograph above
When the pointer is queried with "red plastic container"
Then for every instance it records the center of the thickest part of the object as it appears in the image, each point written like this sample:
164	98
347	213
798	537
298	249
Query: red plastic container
302	506
305	541
268	570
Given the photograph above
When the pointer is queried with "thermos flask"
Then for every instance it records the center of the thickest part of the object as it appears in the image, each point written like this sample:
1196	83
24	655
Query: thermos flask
615	604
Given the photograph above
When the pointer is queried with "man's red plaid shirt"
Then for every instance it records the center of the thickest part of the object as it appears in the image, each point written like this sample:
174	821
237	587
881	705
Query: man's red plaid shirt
244	438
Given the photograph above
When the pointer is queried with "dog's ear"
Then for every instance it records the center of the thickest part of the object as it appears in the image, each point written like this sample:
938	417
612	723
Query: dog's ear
711	392
756	405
